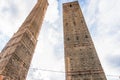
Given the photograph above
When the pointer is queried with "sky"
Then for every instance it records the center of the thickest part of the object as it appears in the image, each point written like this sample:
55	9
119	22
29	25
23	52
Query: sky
102	18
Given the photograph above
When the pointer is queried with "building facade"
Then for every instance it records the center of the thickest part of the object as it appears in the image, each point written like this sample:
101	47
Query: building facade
16	56
81	60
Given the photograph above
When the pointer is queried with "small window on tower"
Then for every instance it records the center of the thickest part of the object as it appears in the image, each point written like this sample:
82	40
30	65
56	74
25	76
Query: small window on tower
70	5
68	39
74	23
92	57
81	21
86	36
77	38
66	24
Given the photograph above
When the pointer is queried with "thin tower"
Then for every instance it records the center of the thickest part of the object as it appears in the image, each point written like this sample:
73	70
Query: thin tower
81	60
16	56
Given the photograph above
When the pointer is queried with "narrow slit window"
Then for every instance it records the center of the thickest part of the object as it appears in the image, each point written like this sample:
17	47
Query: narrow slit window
74	23
66	24
68	39
81	21
77	38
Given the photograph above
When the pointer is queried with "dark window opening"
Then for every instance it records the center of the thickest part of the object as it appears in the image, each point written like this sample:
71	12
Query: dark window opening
86	36
70	58
77	38
81	21
66	24
92	57
68	39
70	5
74	23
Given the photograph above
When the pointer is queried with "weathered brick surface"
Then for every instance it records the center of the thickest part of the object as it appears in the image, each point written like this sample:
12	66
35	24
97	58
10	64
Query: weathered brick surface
16	56
81	59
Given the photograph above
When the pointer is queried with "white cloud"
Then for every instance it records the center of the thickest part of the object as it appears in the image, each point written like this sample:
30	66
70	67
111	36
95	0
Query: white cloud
47	56
52	11
12	14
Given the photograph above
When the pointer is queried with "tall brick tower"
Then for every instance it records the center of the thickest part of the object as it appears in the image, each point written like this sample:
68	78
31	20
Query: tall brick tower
81	59
16	56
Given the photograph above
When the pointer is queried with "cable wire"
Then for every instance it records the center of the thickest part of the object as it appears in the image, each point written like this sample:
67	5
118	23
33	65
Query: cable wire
65	72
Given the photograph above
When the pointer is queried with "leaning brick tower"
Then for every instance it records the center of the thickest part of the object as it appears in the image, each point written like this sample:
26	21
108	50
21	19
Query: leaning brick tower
16	56
81	60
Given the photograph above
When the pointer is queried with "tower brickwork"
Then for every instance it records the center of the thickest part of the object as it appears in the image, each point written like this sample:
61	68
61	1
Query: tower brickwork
16	56
81	60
